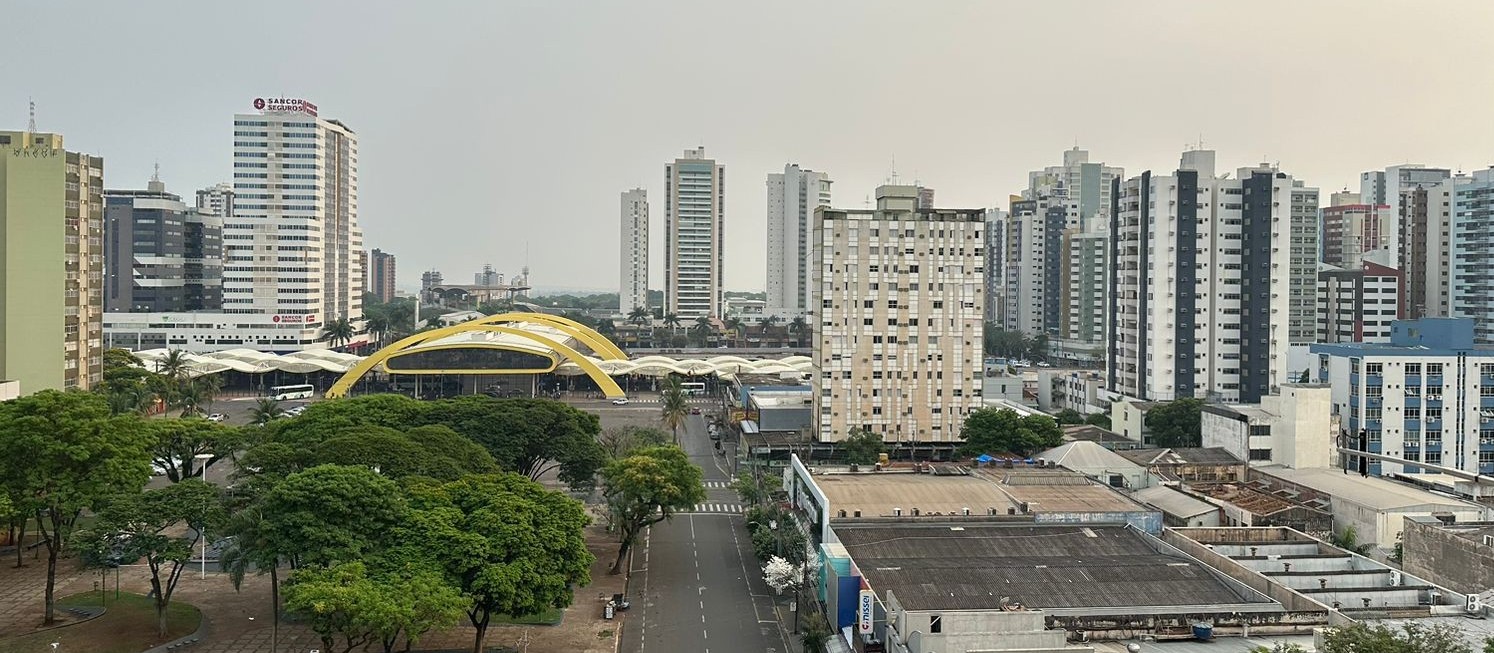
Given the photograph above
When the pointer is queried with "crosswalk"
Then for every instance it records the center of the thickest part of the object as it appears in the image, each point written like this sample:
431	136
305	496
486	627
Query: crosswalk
716	509
717	485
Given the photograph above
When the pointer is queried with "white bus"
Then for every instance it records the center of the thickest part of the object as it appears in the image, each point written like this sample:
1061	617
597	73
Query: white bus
693	388
283	392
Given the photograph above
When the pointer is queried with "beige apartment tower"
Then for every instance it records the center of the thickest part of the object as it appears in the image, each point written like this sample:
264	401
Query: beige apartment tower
899	299
52	217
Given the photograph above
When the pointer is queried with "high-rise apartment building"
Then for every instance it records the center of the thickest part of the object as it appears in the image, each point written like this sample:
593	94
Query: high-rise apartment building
1349	231
793	196
382	275
1033	267
694	235
216	200
290	248
51	222
1302	265
995	265
633	253
1387	188
1358	305
1426	217
1204	270
1472	254
1080	187
160	255
898	344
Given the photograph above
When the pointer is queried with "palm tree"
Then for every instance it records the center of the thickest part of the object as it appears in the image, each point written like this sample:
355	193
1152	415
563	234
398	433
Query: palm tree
800	327
607	328
189	398
338	332
208	386
378	327
735	325
674	410
174	365
639	315
703	329
770	321
672	321
266	410
251	548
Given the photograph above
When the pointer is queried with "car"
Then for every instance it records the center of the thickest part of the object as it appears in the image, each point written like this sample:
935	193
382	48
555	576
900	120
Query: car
1044	364
295	411
620	401
694	410
217	417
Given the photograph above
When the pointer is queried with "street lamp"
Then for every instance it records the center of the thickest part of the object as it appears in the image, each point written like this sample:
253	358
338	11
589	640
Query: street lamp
203	459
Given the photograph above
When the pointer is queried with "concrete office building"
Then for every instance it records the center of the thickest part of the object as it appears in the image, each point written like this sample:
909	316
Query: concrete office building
1205	275
1427	396
1425	224
382	275
995	263
216	200
295	203
694	235
1472	254
1388	188
793	196
1359	305
632	292
159	255
51	214
898	341
1033	266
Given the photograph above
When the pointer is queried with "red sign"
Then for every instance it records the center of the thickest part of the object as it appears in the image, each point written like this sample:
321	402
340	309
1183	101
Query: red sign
293	319
285	105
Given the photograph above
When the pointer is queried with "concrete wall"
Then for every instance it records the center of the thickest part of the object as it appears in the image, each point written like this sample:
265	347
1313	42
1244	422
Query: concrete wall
980	630
1228	433
32	230
1146	522
1127	419
1442	557
1282	594
1304	437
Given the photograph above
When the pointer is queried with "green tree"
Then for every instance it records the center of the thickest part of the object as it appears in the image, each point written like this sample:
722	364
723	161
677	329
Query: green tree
265	411
134	526
1001	431
703	330
62	453
178	442
1176	423
1411	637
1069	416
365	607
646	488
672	407
816	633
532	437
1348	540
127	385
800	328
622	441
639	315
1280	647
1037	348
751	488
672	321
863	447
434	451
1098	419
338	332
511	546
251	547
736	327
1306	376
331	514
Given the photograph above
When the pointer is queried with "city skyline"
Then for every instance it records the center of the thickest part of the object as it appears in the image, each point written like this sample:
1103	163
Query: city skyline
609	125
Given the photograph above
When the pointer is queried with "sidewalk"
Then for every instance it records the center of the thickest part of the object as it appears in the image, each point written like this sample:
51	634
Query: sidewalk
783	610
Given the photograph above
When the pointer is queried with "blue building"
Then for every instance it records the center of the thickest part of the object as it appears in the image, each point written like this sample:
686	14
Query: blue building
1427	396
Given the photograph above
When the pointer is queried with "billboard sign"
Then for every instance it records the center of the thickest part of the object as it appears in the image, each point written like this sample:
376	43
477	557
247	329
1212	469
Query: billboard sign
285	105
293	319
865	611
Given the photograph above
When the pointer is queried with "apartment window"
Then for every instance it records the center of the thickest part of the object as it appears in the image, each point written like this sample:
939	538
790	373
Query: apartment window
1373	412
1413	412
1486	369
1413	456
1434	412
1372	368
1369	391
936	624
1434	369
1373	435
1434	457
1434	438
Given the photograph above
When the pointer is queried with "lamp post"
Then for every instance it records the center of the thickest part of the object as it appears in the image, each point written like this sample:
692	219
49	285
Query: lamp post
203	459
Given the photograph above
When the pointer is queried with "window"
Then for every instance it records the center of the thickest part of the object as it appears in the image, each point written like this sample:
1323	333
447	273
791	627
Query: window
1373	435
1413	369
1413	412
1434	438
1434	412
1260	454
1373	412
1372	368
1412	456
1434	369
1486	457
936	624
1434	457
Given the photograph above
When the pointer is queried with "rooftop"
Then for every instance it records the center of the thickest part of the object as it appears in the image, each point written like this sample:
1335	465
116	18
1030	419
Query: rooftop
1181	456
876	494
1376	493
941	567
1174	502
1092	433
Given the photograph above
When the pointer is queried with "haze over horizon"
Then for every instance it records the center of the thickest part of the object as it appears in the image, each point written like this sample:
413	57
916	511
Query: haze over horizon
488	128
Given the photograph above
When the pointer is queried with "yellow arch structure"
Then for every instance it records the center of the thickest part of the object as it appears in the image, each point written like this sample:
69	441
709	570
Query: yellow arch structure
569	327
596	341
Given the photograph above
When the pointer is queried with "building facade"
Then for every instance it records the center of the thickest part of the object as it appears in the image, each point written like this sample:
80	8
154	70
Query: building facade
1204	271
216	200
1351	230
1472	254
1427	396
1389	187
1294	428
160	256
51	214
1425	222
382	274
694	235
898	343
290	248
995	264
793	195
632	292
1358	305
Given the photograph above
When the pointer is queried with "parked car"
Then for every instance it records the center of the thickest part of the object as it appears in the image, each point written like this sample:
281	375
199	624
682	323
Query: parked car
620	401
217	417
694	410
1044	364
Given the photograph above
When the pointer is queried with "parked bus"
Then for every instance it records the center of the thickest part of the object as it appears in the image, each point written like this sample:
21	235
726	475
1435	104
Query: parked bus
283	392
693	388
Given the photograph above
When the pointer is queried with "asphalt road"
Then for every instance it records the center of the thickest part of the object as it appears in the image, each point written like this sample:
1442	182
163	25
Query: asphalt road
695	584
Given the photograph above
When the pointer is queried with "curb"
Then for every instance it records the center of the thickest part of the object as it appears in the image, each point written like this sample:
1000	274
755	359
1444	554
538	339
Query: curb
184	641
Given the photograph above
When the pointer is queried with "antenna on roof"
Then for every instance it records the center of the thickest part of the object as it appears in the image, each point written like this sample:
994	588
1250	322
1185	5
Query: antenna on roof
893	178
156	175
31	124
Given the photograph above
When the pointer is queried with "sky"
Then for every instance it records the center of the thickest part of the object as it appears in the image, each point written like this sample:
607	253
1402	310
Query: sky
503	132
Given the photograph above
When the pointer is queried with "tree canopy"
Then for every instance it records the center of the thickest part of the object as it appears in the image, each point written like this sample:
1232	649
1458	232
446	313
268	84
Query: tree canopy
863	447
649	487
989	431
331	514
1176	423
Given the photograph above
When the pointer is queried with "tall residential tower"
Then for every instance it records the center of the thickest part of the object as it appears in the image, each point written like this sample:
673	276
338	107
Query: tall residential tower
694	235
793	196
633	255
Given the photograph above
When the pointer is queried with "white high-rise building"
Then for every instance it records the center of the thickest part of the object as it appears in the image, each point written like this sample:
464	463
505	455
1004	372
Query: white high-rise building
1202	283
290	247
1387	187
694	235
898	342
792	198
216	200
633	291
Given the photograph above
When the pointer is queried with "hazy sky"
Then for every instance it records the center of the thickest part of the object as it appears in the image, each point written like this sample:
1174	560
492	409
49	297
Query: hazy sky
486	126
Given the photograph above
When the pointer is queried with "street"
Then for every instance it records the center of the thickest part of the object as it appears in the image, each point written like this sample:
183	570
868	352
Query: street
696	585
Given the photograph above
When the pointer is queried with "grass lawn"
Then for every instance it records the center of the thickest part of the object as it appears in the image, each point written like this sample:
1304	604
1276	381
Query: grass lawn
549	617
129	626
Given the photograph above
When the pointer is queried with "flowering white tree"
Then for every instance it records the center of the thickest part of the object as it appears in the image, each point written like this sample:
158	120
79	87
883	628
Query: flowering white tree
781	574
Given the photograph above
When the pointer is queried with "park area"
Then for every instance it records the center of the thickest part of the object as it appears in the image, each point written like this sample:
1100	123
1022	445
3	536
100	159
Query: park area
239	622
